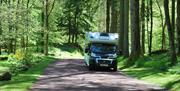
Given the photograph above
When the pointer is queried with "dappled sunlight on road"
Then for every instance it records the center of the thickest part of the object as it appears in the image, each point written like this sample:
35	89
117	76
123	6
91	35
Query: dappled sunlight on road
72	75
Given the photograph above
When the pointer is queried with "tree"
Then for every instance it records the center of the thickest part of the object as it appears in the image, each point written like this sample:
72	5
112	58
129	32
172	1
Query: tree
121	29
108	6
143	25
45	26
77	18
151	29
163	42
0	30
126	29
147	21
170	33
23	31
114	16
135	30
173	16
46	13
178	27
10	27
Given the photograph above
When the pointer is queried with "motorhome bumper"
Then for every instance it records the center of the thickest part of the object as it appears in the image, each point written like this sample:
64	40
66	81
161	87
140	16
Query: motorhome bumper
103	62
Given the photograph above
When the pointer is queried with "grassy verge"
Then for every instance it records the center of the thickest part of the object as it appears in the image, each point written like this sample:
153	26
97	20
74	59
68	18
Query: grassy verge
4	66
154	70
66	52
24	80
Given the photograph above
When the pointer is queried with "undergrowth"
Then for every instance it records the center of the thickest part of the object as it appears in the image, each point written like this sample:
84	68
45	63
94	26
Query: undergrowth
154	69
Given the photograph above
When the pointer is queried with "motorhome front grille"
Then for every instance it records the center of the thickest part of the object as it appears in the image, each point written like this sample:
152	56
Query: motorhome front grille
104	56
104	61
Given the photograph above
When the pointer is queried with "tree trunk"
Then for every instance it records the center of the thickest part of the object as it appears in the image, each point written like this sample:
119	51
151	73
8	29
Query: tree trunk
69	28
72	38
126	29
143	26
170	33
27	42
69	37
147	22
10	42
113	16
16	26
46	26
0	50
163	42
135	31
173	16
0	31
23	31
177	26
108	5
27	24
121	31
150	35
41	38
22	42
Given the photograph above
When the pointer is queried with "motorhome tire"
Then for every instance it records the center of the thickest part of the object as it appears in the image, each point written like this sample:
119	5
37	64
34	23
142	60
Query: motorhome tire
115	66
91	67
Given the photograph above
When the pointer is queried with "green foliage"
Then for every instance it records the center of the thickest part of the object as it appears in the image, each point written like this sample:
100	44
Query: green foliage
175	69
22	61
24	80
160	65
78	17
153	63
158	62
154	69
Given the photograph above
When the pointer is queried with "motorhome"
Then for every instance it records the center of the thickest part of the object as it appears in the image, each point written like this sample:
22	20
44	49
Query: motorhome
101	50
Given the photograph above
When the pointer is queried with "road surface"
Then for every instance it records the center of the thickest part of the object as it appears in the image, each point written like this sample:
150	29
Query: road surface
73	75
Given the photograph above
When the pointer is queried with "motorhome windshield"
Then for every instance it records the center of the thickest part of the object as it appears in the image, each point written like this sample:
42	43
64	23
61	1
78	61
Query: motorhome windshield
103	48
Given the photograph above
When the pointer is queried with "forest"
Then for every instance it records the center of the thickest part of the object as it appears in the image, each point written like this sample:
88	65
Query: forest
33	33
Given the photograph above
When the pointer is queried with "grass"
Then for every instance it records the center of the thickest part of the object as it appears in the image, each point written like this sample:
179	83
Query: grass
4	66
154	70
25	80
66	51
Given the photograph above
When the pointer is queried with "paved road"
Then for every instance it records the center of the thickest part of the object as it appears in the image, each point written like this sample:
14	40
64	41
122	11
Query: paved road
72	75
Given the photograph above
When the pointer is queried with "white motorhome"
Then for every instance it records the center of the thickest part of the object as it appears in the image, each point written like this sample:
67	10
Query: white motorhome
101	50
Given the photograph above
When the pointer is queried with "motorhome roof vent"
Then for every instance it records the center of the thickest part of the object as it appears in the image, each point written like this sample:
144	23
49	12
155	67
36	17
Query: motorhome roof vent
104	34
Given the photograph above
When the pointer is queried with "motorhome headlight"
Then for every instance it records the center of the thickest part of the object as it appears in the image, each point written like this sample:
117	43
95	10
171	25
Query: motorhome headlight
113	56
93	54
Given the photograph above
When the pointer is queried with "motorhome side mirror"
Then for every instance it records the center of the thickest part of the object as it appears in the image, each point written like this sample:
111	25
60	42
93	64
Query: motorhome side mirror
86	50
119	52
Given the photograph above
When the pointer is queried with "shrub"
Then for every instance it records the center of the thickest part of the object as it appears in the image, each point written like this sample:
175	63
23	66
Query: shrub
157	64
141	61
21	61
175	69
20	54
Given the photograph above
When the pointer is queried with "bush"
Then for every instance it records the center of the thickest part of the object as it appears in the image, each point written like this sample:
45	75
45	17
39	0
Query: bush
159	65
141	61
175	69
21	61
152	62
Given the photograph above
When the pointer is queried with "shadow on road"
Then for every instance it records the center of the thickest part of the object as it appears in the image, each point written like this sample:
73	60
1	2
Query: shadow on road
73	75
